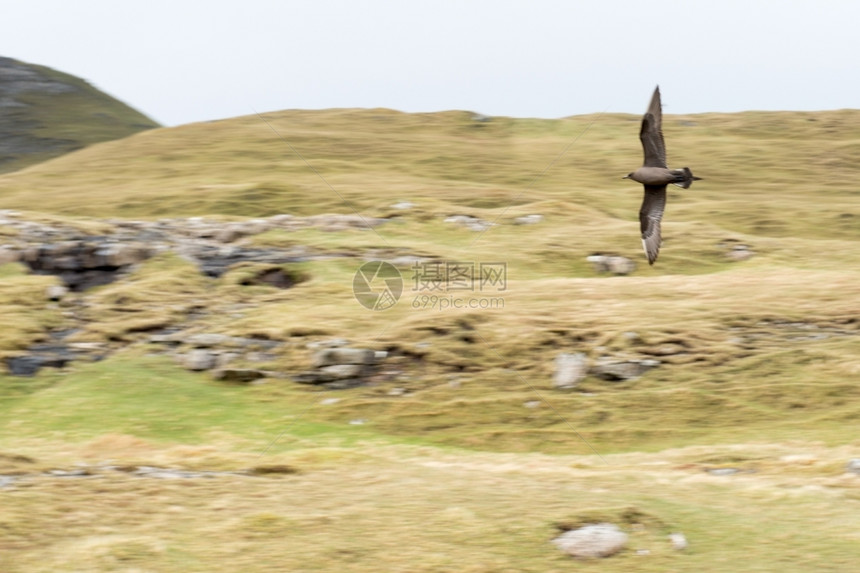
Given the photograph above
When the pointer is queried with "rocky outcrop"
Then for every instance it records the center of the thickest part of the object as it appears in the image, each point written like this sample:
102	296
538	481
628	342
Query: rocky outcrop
83	260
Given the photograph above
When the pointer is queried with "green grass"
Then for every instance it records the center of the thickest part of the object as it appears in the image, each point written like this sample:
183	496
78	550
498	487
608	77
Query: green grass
473	465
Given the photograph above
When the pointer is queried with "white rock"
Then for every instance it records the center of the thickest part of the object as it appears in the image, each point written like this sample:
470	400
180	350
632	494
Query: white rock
598	540
570	368
528	220
679	541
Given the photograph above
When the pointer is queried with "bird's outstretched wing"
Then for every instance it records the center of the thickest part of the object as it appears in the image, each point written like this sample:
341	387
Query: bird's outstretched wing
651	133
650	215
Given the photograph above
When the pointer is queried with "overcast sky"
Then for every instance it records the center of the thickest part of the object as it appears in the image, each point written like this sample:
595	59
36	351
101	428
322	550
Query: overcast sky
180	61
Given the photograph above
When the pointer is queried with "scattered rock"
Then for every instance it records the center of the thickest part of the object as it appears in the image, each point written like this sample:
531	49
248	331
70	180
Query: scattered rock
678	541
614	264
207	340
592	541
229	233
332	343
723	471
403	205
570	369
23	365
853	466
340	372
199	359
343	222
621	370
471	223
339	367
740	253
238	375
528	220
40	356
341	355
56	292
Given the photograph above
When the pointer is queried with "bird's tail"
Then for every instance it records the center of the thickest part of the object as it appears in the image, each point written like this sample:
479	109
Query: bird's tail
684	177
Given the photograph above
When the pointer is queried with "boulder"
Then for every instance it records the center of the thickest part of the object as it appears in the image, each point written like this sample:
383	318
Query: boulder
199	359
620	370
341	355
592	541
570	368
24	365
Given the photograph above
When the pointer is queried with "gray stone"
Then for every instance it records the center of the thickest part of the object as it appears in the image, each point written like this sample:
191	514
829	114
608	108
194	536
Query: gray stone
614	264
592	541
229	233
853	466
207	340
24	365
238	375
199	359
570	369
620	370
403	205
331	343
56	292
331	356
341	371
225	358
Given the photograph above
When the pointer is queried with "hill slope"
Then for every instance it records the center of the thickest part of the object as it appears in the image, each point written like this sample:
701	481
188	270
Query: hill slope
45	113
458	454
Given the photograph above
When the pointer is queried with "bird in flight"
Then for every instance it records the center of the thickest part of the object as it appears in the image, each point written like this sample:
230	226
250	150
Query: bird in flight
654	175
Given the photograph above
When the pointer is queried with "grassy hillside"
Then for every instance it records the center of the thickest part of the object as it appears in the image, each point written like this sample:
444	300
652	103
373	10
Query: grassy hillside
461	456
47	113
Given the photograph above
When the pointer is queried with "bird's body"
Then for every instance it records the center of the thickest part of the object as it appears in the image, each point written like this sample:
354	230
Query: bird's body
655	175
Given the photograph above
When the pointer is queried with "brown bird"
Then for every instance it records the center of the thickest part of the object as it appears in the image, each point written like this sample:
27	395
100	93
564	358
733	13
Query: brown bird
654	175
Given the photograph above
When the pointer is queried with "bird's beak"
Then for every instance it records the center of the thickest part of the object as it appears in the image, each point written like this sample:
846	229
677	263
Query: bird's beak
626	177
